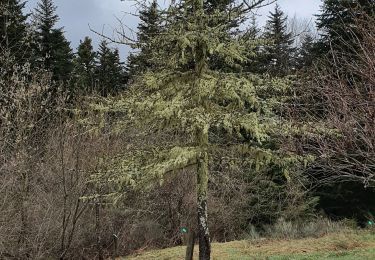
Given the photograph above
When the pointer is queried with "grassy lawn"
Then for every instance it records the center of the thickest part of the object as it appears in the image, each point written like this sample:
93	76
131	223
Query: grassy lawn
346	245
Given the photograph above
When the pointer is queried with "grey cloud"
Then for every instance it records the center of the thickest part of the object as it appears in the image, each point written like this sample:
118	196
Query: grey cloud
76	15
305	9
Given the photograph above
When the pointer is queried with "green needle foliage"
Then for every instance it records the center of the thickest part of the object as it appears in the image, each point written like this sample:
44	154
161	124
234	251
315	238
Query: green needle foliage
337	26
14	30
148	27
84	66
185	112
54	50
279	53
109	72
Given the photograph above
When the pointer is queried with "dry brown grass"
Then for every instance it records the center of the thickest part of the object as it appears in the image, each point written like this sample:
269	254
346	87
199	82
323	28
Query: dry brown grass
264	248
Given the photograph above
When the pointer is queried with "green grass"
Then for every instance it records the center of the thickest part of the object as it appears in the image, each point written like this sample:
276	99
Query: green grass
345	245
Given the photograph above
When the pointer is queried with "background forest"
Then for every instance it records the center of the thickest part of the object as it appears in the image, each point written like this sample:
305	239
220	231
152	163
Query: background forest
213	129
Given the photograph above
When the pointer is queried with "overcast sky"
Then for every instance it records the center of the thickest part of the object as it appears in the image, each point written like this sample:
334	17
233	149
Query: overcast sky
77	15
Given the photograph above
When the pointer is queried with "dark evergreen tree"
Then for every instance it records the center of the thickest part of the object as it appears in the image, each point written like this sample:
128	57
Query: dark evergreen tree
148	28
45	20
62	56
336	23
117	72
54	50
132	64
13	30
84	66
306	53
253	31
110	77
279	51
251	39
103	80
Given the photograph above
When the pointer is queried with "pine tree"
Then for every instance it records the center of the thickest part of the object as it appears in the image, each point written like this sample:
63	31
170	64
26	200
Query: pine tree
253	31
62	56
148	28
117	72
13	29
336	23
54	51
103	69
85	65
252	41
45	20
279	51
204	111
110	75
307	52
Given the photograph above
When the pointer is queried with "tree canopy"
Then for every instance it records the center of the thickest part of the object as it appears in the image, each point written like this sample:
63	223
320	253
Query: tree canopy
201	107
54	52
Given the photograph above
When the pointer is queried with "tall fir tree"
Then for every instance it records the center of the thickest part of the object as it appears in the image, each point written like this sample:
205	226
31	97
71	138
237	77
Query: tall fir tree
254	61
54	52
336	23
62	56
110	76
252	32
306	54
148	28
279	51
14	30
202	112
84	66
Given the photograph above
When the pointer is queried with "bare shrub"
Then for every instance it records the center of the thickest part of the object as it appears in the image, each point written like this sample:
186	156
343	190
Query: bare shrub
304	228
345	94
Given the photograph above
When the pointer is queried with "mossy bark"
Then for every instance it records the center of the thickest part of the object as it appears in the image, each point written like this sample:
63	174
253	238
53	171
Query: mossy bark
202	188
203	143
202	182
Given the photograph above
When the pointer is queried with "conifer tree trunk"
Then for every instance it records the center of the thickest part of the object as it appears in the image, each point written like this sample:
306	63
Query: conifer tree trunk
202	182
202	188
202	138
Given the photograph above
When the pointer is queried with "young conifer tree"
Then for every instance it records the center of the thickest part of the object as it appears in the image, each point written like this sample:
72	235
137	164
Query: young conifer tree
254	62
195	110
110	74
13	29
306	53
84	66
54	50
149	27
279	53
336	24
